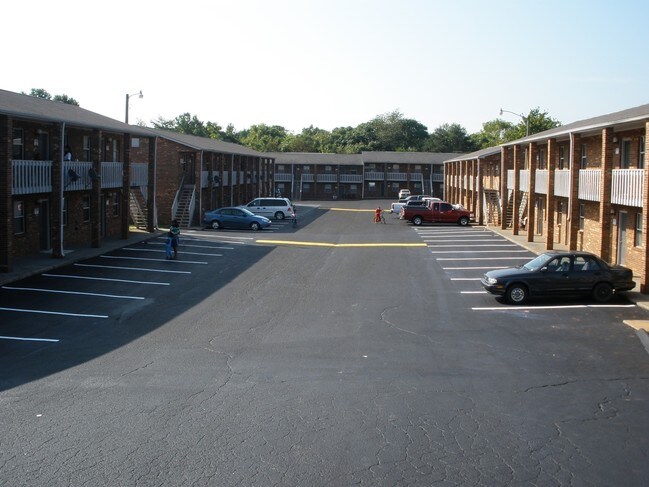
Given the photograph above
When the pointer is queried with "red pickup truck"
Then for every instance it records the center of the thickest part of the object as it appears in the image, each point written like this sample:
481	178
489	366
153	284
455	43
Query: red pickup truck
436	212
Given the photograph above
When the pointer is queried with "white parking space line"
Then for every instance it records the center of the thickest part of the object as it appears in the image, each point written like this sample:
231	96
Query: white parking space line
471	245
155	260
455	239
569	306
472	268
25	339
465	278
184	245
162	251
59	313
58	291
479	251
209	236
127	281
483	258
473	292
142	269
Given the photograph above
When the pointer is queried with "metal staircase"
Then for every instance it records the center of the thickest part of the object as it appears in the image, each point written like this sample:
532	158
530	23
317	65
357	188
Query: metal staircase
137	208
184	206
493	210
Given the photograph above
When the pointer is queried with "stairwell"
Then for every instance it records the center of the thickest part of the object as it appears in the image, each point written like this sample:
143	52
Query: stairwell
492	207
137	208
183	209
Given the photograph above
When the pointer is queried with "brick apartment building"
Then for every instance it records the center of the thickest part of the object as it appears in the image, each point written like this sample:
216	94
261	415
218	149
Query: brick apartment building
583	185
369	175
119	175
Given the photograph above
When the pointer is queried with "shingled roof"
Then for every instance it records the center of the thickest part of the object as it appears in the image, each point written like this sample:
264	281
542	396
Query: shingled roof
33	108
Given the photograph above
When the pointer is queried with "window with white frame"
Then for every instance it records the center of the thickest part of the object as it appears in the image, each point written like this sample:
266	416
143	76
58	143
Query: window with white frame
306	168
327	188
625	160
641	154
18	144
328	169
306	187
19	217
87	148
85	208
583	156
638	229
582	216
562	157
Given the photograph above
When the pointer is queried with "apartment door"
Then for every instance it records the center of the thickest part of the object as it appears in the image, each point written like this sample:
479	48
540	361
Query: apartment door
102	216
44	236
621	237
540	215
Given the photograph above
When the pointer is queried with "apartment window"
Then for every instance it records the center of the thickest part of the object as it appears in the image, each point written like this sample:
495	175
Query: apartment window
541	158
306	169
116	204
562	157
327	188
328	169
560	213
638	230
65	211
582	216
306	187
625	160
280	168
583	156
371	186
641	150
19	217
87	148
395	167
85	208
18	145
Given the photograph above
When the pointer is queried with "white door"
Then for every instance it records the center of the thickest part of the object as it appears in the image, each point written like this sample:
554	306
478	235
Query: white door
621	238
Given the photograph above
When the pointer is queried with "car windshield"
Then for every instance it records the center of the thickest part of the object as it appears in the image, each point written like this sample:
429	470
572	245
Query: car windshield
538	262
246	211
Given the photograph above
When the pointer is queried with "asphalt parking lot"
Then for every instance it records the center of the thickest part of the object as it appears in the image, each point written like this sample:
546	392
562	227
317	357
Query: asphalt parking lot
337	352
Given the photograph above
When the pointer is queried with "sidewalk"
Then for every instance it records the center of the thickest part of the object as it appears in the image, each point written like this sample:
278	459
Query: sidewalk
44	262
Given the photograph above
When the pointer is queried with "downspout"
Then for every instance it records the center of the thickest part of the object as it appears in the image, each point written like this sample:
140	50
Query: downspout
62	155
200	192
570	164
155	183
232	179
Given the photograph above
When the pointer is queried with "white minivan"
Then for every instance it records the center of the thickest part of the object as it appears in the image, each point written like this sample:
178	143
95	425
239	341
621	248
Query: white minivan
403	193
277	208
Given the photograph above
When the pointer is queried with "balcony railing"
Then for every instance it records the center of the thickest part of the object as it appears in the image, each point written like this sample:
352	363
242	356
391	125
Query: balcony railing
562	183
415	176
375	175
626	187
139	174
541	181
351	178
524	180
307	178
31	177
590	184
396	176
326	178
437	177
283	177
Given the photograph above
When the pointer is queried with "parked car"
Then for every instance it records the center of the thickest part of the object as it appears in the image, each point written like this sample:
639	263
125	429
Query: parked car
436	212
230	217
419	199
403	193
559	273
277	208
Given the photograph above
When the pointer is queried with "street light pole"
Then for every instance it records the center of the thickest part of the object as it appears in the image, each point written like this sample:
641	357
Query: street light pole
526	119
139	95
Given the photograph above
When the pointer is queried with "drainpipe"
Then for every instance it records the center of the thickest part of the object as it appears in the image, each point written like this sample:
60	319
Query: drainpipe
570	164
200	192
232	179
62	155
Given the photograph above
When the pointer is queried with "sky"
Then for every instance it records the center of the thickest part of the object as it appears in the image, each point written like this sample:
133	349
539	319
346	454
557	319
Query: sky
332	63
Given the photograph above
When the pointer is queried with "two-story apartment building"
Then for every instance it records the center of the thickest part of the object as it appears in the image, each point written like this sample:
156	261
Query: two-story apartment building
584	185
369	175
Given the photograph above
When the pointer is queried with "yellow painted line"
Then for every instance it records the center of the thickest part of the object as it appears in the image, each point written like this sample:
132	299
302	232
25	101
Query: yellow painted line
350	209
326	244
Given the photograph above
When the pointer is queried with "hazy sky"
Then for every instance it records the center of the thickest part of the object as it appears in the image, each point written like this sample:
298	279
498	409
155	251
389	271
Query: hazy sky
332	63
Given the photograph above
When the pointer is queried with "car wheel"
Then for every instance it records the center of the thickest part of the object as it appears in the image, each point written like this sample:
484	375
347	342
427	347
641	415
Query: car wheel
517	294
254	226
216	225
279	215
417	220
463	221
602	292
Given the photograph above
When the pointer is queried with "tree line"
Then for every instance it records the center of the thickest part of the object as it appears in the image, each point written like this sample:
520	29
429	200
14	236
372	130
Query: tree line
388	132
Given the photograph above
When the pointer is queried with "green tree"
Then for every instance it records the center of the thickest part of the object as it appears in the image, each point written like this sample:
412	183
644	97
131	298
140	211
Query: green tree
264	138
450	138
493	133
184	124
66	99
311	139
538	121
40	93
